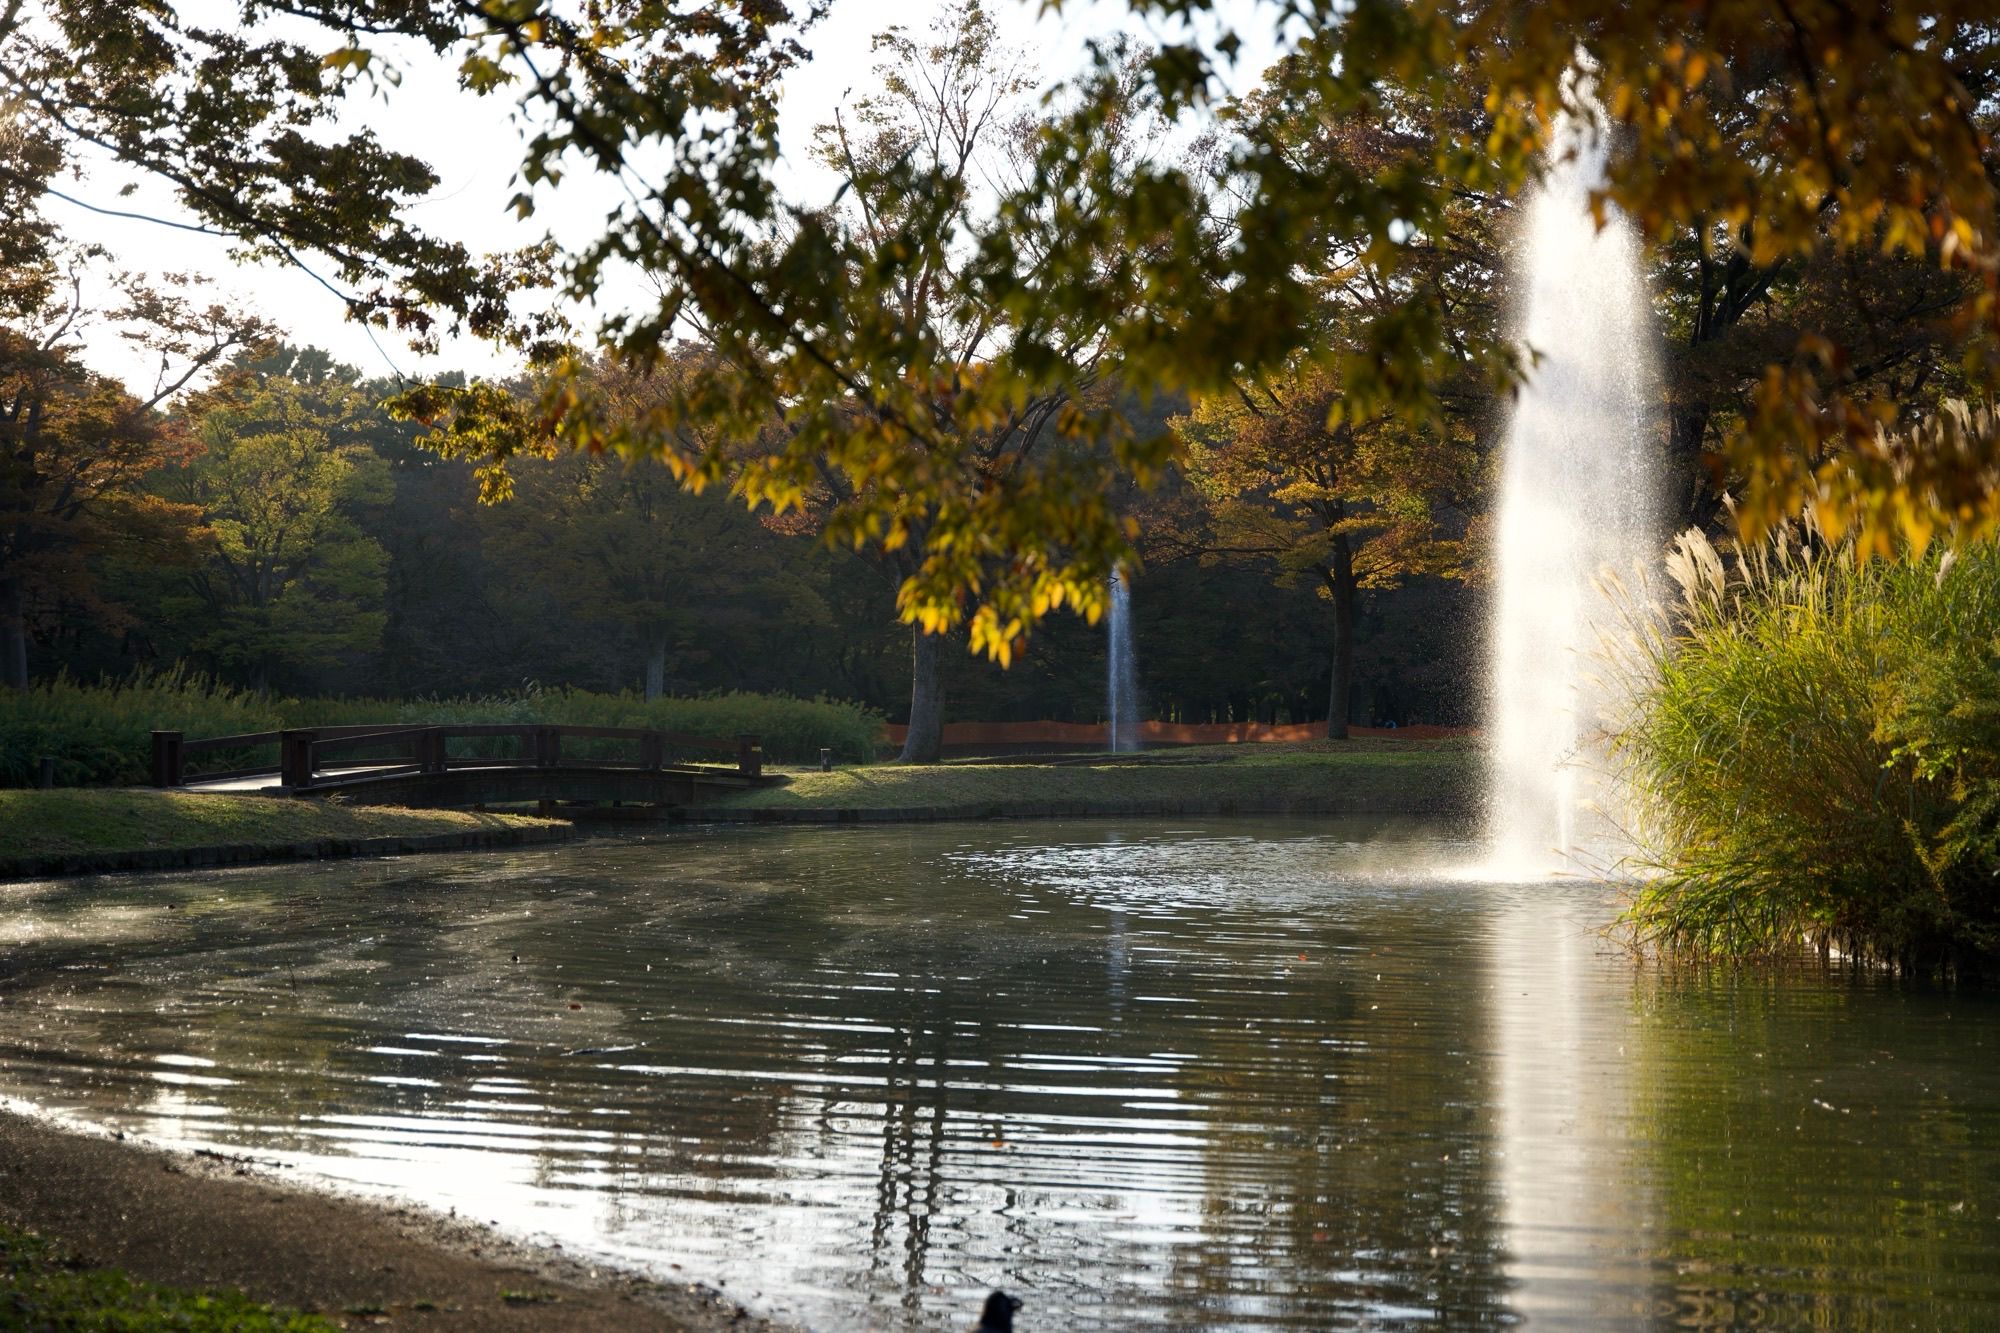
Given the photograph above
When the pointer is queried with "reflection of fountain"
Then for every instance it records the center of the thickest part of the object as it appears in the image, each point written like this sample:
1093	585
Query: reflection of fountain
1573	1175
1123	685
1578	494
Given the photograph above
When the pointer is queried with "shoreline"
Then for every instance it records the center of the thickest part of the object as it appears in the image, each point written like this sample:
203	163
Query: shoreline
124	829
53	865
1444	808
200	1220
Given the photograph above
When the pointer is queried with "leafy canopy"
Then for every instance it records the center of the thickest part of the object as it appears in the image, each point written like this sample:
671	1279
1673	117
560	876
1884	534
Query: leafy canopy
1871	135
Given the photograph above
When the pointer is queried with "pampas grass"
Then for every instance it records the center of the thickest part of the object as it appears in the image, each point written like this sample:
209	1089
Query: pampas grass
1812	744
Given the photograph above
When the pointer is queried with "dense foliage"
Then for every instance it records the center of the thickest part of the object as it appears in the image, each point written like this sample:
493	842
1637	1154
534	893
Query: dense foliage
1768	145
1815	747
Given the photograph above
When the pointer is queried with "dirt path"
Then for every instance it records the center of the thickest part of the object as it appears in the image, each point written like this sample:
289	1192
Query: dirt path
205	1221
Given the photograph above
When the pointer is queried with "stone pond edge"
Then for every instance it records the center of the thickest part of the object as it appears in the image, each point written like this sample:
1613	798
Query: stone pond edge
48	865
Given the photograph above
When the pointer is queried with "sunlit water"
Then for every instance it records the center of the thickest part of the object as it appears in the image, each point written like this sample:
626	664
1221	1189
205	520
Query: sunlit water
1248	1075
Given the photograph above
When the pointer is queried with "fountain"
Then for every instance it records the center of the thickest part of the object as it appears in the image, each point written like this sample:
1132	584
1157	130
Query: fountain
1122	687
1579	477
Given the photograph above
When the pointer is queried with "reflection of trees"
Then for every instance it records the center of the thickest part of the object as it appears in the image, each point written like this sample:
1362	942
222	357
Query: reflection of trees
285	992
1348	1177
915	1103
1820	1150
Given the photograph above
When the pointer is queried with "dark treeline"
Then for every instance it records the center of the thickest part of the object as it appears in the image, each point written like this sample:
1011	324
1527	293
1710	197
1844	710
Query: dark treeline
303	542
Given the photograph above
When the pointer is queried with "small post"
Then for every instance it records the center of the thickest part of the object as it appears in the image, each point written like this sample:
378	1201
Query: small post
652	751
825	759
749	756
548	747
46	777
295	758
169	764
430	749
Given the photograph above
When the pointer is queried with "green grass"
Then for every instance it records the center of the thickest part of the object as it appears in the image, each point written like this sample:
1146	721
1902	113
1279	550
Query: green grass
73	821
43	1288
1386	775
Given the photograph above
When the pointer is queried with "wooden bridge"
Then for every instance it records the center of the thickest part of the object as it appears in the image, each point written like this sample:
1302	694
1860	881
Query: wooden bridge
475	764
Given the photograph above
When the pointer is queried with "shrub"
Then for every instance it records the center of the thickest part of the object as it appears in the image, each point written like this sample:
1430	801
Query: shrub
792	730
102	734
1814	748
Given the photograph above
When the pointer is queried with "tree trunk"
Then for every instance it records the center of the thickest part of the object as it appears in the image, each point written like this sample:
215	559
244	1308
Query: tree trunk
924	744
1340	582
13	635
1691	493
656	668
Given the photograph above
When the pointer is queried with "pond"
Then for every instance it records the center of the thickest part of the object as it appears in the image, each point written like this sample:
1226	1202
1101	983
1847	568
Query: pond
1242	1074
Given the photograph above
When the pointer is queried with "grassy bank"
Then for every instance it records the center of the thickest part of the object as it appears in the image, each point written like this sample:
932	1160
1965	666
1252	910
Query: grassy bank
1363	776
43	1287
78	822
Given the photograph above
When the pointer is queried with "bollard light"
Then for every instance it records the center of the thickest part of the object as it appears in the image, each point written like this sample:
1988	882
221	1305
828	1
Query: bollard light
825	759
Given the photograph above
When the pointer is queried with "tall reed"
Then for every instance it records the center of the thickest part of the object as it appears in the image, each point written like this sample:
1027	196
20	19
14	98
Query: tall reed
1813	748
102	734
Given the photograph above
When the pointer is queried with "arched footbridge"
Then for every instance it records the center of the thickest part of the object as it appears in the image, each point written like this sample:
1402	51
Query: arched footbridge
469	765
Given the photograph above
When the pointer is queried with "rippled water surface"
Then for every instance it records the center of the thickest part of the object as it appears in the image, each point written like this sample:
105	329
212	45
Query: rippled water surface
1241	1075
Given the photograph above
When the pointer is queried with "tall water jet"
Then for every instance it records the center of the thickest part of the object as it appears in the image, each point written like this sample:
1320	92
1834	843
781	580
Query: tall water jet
1122	684
1578	500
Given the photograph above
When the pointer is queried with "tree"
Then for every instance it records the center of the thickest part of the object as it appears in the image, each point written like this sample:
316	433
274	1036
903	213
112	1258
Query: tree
224	115
1291	471
77	448
1868	133
948	106
679	575
288	581
1874	137
949	124
1351	506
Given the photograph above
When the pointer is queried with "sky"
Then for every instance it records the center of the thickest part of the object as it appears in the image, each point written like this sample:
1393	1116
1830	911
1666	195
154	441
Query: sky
474	145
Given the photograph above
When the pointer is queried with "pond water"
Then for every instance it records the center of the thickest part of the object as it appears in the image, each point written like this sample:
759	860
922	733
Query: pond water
1244	1074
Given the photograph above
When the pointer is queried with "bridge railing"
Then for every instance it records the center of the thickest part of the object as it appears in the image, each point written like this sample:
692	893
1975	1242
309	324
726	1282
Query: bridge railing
326	756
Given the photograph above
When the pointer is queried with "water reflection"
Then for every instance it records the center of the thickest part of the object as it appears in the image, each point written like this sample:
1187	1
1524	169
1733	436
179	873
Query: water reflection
1571	1164
1234	1076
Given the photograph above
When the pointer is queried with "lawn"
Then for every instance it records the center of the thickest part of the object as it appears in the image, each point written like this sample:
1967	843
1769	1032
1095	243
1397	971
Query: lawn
1365	776
80	821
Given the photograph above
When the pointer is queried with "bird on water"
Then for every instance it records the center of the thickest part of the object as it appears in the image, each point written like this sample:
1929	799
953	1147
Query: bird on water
998	1316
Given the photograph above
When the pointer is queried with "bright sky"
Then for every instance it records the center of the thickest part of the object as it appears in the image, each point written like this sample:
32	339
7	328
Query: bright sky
474	145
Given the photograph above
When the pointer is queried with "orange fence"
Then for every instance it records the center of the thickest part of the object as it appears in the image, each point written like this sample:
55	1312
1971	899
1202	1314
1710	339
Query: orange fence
1027	735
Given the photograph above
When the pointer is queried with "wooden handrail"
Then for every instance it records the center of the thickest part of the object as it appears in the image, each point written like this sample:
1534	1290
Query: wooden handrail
368	737
248	740
302	750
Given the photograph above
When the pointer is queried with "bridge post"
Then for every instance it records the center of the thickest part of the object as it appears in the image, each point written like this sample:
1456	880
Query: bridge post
169	762
749	757
548	747
652	751
430	749
295	764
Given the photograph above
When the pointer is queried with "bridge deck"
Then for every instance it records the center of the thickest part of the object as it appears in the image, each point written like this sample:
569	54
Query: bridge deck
425	773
